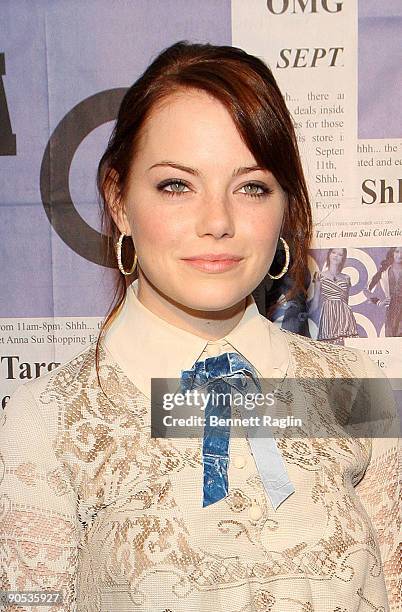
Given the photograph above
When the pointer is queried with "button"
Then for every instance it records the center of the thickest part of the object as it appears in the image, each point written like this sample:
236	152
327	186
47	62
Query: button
255	512
239	461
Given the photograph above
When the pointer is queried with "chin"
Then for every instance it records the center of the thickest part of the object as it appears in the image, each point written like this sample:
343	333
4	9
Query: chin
212	298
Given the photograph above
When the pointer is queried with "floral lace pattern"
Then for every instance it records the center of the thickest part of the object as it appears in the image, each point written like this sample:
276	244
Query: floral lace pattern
95	507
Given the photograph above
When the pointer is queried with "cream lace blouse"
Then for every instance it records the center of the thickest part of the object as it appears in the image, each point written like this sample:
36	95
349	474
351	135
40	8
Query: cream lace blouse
92	506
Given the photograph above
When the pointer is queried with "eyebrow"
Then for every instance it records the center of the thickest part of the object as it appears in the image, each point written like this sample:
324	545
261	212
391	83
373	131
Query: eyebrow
237	172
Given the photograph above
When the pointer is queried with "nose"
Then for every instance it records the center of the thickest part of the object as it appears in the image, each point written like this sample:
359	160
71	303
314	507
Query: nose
215	216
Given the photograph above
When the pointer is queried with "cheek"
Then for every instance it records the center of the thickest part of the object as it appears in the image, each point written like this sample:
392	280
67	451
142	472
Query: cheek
264	228
156	231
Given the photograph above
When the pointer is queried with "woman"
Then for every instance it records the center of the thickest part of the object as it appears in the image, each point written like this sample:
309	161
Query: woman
332	285
202	164
389	278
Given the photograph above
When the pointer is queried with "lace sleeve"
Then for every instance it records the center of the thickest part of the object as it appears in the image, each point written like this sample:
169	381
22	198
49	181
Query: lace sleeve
380	487
39	533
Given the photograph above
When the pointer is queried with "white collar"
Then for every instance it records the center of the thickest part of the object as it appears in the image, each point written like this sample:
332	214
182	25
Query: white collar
146	346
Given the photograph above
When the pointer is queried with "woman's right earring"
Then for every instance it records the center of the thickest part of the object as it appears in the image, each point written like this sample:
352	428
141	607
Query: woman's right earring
286	264
118	254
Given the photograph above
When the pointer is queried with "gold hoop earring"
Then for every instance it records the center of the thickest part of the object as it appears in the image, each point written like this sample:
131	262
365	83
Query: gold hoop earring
287	260
118	253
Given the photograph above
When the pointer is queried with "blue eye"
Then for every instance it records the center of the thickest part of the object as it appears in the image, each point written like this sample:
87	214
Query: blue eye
161	187
265	190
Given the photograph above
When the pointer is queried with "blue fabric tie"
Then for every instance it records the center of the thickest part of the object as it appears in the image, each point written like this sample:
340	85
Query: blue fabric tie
219	375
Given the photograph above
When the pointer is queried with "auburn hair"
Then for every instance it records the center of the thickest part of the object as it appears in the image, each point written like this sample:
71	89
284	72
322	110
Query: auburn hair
245	85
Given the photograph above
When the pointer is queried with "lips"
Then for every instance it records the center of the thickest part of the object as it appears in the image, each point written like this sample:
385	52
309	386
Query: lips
214	257
213	266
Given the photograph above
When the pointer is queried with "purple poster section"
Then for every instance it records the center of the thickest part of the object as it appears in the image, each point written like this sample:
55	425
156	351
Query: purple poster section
364	275
57	55
379	69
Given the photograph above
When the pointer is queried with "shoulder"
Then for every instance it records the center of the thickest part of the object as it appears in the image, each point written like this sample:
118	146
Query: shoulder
48	398
80	367
374	396
315	358
35	408
76	406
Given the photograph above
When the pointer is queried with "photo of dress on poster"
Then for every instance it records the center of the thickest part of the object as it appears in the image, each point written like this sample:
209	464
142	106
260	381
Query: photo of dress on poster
351	293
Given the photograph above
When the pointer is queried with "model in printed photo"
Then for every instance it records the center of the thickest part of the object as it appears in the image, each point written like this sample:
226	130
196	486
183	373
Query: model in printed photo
331	289
388	281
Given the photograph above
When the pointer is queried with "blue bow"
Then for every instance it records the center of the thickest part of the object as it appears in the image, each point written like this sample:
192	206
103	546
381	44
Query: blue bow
219	375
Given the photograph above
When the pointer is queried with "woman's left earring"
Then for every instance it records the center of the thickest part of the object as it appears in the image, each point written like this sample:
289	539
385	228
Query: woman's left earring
286	264
118	254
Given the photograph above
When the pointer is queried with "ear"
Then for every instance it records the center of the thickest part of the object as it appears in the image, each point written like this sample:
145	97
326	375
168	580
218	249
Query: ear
115	202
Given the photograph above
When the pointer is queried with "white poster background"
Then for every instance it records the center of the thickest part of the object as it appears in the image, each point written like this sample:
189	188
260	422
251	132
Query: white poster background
312	55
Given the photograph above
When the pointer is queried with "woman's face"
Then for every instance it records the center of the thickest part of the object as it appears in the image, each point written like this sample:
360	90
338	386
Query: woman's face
336	257
398	255
206	206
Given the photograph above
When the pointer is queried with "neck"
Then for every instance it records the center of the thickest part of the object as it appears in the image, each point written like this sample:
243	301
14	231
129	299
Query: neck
211	325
